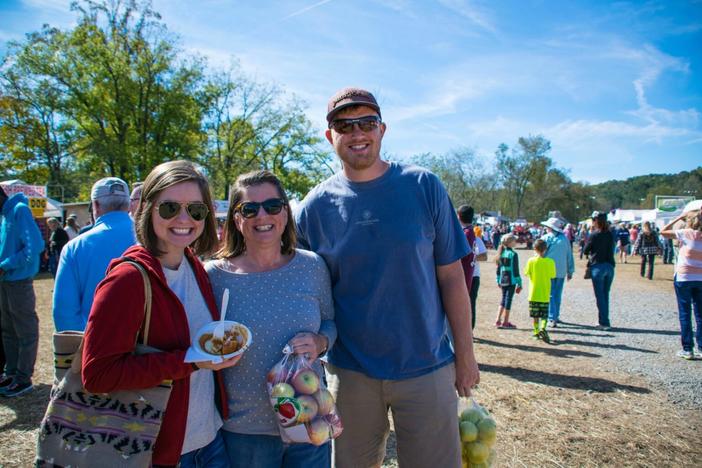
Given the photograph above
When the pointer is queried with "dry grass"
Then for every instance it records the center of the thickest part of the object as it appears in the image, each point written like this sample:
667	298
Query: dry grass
555	406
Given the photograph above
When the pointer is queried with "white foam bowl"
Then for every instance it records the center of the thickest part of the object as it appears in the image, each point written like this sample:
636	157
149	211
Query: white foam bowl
209	328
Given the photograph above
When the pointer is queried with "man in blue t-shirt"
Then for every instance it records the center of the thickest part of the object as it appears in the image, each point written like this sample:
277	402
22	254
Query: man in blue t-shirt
393	246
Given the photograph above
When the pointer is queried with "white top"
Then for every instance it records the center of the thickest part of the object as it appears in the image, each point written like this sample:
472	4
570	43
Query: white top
689	265
203	420
478	249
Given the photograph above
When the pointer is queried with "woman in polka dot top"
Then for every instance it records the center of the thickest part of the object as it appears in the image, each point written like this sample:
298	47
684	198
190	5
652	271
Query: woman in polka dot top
283	295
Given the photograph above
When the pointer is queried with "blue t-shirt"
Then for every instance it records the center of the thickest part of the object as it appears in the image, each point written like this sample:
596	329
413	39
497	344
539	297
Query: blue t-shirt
382	241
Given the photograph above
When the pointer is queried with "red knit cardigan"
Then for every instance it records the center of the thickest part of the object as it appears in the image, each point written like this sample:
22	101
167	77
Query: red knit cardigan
115	319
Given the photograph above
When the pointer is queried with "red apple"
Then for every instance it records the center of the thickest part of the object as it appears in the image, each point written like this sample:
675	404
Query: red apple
318	430
276	374
325	400
282	390
305	381
308	408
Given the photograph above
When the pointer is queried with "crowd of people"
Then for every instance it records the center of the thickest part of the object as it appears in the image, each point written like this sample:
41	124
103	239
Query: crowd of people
390	311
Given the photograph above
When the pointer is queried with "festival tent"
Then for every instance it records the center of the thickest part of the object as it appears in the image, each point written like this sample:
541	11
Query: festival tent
630	216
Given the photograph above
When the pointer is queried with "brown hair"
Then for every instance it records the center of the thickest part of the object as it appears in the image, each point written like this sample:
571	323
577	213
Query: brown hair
164	176
600	222
540	246
233	243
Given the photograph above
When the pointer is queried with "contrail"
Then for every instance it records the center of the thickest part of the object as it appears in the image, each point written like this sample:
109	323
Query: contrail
306	9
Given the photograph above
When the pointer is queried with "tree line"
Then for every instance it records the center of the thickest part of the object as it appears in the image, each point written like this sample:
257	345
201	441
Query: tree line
115	96
524	182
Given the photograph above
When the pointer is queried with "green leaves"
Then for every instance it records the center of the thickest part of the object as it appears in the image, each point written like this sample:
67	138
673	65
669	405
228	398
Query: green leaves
115	96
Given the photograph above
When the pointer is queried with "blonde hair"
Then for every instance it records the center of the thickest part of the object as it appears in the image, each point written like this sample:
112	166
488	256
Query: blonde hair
694	220
504	243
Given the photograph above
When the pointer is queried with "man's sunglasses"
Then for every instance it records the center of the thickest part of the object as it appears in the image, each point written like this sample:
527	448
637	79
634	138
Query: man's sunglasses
170	209
249	210
366	124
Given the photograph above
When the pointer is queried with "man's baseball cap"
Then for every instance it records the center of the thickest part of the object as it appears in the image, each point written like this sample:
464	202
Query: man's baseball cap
348	97
109	186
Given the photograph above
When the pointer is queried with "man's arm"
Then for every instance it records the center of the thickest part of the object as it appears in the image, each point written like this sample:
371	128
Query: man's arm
454	296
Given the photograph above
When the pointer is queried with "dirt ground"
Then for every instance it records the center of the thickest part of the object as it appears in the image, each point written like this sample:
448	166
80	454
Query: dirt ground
555	406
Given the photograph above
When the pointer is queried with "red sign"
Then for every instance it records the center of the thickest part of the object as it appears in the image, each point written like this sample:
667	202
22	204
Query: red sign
29	190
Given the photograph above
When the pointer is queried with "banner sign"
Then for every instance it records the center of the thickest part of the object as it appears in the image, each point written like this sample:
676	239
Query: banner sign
672	203
37	205
29	190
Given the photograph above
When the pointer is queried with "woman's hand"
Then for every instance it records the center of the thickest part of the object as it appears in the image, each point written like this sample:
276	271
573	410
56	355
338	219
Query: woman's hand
222	365
310	345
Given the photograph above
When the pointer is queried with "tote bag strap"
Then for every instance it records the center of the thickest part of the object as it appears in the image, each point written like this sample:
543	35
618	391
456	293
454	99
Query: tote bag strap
76	364
147	301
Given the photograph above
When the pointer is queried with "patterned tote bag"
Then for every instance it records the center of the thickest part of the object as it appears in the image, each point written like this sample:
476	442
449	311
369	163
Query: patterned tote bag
82	429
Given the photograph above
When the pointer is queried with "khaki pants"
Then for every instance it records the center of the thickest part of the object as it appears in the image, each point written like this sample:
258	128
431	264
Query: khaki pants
423	410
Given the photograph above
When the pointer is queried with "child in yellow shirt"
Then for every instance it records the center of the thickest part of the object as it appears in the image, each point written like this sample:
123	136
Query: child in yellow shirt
540	270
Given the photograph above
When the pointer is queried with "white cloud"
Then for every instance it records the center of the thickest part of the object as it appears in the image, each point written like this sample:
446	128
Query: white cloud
468	9
57	5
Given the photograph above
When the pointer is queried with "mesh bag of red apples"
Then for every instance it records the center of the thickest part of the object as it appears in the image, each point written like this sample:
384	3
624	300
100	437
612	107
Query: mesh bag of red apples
478	433
305	408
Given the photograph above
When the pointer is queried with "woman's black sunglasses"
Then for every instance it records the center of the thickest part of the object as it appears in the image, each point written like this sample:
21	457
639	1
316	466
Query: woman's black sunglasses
170	209
249	210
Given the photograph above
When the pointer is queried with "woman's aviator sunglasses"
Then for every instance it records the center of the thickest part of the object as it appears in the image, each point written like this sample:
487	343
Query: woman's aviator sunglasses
366	124
170	209
249	210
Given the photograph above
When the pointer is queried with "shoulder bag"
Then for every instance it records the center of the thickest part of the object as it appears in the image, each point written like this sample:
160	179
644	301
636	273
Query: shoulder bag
117	429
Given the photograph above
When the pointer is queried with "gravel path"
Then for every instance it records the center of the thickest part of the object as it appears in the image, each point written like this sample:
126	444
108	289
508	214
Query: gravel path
646	333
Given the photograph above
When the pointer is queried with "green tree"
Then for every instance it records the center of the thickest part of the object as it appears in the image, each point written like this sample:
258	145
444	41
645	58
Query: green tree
518	169
119	83
464	176
249	127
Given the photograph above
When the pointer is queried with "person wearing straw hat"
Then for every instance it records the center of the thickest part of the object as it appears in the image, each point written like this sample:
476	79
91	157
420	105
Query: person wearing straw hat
560	250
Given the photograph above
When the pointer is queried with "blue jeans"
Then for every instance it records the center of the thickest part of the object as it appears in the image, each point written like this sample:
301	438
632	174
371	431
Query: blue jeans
554	305
602	277
265	451
689	295
212	455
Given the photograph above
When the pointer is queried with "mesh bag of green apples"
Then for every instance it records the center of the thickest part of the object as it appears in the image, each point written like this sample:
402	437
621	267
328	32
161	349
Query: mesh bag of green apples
305	409
478	432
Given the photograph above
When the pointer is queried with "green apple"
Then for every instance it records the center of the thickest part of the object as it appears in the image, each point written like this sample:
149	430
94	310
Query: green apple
472	414
487	431
468	430
282	390
477	452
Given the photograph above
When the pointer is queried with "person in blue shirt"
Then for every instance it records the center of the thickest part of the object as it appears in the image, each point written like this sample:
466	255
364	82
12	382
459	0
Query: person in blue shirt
390	237
560	250
21	244
84	260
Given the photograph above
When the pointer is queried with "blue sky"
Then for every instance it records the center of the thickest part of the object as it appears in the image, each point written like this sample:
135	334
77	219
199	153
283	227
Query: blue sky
615	86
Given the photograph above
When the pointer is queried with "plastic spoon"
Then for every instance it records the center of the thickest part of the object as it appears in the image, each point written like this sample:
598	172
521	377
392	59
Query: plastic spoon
218	331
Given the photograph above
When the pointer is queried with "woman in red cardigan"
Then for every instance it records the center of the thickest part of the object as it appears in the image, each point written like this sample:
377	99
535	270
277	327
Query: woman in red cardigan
174	223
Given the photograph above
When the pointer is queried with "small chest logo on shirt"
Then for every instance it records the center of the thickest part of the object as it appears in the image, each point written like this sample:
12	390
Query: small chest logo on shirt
367	219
